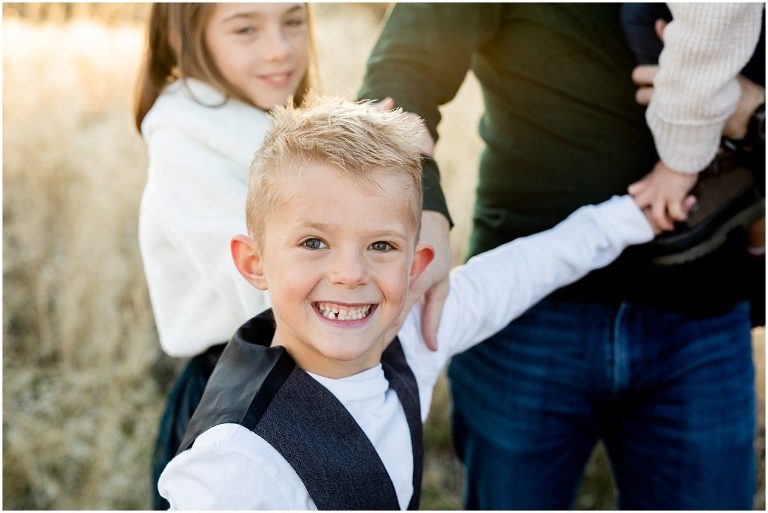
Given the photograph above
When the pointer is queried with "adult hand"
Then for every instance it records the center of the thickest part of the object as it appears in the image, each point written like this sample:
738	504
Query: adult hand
643	75
663	195
424	139
752	95
433	283
385	104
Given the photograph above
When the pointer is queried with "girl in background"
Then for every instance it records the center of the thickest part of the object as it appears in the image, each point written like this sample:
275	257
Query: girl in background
210	73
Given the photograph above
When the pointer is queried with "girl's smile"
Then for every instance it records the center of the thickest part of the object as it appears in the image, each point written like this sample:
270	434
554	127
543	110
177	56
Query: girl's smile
261	50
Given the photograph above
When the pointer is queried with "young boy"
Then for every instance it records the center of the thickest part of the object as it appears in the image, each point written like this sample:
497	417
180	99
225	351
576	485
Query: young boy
319	403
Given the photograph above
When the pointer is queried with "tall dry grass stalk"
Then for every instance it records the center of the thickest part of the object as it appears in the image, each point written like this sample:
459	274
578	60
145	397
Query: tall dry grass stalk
80	405
84	378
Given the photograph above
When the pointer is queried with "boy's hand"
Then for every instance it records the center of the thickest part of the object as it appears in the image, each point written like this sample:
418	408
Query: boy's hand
433	283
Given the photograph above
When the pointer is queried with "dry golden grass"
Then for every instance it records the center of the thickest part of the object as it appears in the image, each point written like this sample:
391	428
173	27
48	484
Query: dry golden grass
84	378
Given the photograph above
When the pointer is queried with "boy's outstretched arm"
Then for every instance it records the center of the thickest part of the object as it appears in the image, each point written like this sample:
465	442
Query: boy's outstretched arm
497	286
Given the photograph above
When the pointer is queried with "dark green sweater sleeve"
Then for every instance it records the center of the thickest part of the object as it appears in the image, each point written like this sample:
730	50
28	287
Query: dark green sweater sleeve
421	59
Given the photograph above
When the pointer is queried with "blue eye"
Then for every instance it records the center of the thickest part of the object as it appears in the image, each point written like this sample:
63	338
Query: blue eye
245	31
382	246
314	243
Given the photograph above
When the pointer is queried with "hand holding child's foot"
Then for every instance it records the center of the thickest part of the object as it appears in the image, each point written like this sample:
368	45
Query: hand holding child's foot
752	95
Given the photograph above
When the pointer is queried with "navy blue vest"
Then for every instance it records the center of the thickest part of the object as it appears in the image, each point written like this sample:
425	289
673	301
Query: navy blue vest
261	388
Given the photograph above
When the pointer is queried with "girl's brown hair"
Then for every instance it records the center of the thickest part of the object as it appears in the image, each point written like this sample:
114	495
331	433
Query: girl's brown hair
176	49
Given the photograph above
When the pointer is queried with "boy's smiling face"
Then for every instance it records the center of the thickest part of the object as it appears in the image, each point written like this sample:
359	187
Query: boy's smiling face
337	258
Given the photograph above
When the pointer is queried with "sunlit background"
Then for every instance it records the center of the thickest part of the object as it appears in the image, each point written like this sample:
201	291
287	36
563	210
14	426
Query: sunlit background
84	380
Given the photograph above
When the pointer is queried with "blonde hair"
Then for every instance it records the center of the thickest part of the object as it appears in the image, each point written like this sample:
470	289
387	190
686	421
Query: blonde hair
175	49
354	137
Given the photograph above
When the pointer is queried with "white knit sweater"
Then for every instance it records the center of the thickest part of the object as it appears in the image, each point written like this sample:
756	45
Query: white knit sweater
193	203
695	90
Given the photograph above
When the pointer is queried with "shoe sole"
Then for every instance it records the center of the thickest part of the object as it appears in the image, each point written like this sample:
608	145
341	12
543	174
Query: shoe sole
742	219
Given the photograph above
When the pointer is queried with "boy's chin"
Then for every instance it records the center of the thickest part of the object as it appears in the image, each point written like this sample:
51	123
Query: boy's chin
350	355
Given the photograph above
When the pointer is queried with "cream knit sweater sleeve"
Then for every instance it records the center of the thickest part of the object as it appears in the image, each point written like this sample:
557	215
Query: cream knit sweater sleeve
695	90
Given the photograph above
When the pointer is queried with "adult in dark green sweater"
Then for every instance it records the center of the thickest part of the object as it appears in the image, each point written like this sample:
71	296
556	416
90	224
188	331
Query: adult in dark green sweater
654	361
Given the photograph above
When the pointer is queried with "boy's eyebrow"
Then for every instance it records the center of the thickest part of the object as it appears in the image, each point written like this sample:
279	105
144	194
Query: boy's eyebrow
318	226
258	15
384	233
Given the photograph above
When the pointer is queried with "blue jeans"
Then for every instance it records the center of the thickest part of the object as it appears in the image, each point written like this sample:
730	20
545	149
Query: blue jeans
672	397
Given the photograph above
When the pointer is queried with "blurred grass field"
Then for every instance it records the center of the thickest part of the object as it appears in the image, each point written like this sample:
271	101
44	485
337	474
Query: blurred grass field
84	379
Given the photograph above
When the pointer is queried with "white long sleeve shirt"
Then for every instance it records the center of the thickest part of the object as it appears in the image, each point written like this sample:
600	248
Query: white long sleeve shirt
230	467
695	89
200	150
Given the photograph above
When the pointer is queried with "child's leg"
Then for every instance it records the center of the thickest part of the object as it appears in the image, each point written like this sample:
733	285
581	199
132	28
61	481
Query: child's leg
755	68
638	21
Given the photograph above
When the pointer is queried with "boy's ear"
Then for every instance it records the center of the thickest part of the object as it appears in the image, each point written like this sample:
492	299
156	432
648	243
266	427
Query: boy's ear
247	258
425	253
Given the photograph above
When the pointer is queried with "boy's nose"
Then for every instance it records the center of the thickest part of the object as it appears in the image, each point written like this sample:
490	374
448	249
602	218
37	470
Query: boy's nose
348	270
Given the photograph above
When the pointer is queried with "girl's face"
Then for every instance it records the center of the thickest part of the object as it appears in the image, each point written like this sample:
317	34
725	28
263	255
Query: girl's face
260	49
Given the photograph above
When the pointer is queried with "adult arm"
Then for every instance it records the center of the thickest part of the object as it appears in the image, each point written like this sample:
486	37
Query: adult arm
421	59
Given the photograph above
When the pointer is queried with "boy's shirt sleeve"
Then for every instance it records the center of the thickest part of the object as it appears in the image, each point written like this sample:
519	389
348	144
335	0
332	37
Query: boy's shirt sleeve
231	468
497	286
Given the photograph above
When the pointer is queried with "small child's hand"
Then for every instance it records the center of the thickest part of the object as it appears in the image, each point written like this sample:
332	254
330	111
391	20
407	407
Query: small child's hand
663	196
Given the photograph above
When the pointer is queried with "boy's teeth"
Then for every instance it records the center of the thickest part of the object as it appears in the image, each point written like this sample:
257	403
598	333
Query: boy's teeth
343	313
